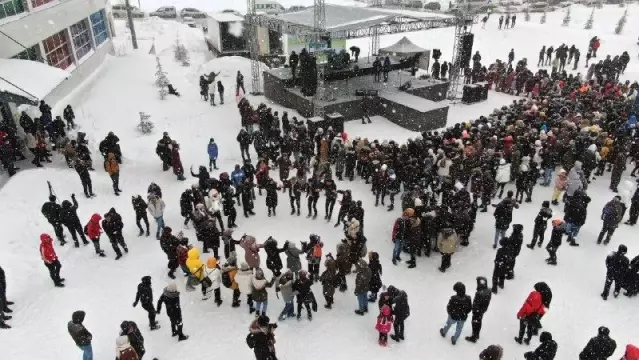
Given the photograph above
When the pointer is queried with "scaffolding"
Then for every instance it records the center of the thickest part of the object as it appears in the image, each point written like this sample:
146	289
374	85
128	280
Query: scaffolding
375	32
319	24
254	49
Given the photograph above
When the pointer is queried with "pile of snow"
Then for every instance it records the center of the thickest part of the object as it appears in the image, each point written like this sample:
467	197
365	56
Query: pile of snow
17	77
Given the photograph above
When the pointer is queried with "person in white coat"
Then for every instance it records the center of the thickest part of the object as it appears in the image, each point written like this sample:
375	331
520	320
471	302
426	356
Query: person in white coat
124	350
215	207
576	180
156	209
215	275
243	280
443	168
503	176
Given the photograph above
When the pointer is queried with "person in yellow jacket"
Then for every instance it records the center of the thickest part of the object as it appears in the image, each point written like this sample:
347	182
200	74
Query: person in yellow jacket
603	155
113	168
198	270
230	269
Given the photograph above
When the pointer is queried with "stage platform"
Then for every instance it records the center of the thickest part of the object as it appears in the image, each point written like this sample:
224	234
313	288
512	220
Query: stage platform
420	108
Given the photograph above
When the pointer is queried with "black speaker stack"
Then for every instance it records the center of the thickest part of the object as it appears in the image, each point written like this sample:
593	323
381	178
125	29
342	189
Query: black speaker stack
364	92
466	51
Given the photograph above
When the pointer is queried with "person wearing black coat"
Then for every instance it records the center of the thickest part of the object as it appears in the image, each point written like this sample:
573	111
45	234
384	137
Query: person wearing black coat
305	295
262	338
169	244
112	225
345	206
203	177
52	212
401	312
186	206
575	213
513	246
330	190
271	188
617	265
376	275
480	306
293	61
82	168
357	212
4	303
171	297
140	207
600	347
502	259
144	296
130	330
228	206
273	260
220	91
547	349
541	223
69	217
458	308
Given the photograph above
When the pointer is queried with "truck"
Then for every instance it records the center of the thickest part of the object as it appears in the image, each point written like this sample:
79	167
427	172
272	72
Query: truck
225	34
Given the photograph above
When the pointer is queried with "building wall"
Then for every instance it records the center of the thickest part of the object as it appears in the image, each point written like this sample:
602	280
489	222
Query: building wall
31	27
34	25
81	73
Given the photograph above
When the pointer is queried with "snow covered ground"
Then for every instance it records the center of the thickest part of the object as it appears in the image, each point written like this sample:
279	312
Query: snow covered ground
105	289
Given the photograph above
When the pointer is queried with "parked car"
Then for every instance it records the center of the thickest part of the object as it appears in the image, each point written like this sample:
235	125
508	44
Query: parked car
192	13
119	11
166	12
189	21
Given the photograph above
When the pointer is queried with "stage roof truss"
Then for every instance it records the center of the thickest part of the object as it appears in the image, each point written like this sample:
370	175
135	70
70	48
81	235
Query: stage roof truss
385	26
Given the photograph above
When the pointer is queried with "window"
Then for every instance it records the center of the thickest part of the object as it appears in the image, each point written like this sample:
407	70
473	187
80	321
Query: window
10	8
81	36
56	49
36	3
98	25
31	53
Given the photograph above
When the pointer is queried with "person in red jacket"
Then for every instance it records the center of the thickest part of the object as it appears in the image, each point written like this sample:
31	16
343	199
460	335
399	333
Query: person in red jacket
48	255
93	230
529	315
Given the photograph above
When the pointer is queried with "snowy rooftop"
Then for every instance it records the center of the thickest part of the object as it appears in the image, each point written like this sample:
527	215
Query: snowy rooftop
30	79
341	17
225	17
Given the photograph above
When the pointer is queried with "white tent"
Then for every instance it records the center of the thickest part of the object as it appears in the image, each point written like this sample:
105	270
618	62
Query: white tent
403	47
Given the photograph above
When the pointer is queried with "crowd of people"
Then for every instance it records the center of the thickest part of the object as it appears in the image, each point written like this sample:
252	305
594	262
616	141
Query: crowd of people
576	127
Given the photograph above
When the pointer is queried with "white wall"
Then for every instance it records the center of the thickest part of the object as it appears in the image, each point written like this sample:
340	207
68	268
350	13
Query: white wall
80	74
33	27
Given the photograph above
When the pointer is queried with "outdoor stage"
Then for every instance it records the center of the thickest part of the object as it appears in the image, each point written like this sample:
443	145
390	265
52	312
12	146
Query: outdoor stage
422	107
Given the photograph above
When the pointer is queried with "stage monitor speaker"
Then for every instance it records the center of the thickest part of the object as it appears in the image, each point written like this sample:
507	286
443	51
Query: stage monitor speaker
364	92
466	51
484	91
471	94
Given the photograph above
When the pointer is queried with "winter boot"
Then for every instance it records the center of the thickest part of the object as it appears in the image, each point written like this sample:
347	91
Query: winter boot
148	233
269	212
293	212
141	232
472	339
395	337
298	212
76	244
359	312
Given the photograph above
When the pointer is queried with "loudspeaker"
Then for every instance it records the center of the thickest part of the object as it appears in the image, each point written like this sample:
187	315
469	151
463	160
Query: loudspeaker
472	94
466	51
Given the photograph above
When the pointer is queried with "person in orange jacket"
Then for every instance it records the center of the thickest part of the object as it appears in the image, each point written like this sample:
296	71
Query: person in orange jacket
50	258
112	167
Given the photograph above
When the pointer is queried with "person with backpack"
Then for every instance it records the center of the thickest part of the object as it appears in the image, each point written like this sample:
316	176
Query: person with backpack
93	230
132	332
313	250
458	308
401	311
229	270
197	271
328	279
52	212
171	297
258	291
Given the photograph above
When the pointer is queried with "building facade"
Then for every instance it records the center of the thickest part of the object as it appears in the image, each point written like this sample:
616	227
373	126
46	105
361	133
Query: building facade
73	35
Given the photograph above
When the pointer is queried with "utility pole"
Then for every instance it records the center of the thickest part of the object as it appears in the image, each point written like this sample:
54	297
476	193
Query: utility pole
134	39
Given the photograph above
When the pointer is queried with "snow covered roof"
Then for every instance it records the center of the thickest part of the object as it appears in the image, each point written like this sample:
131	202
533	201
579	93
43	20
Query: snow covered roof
339	17
225	17
28	79
403	46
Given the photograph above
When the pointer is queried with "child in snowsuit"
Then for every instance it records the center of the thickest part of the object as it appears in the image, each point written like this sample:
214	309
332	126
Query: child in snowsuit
541	222
384	324
558	230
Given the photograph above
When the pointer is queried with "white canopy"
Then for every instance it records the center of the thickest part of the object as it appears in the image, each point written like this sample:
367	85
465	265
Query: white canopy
31	80
402	47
